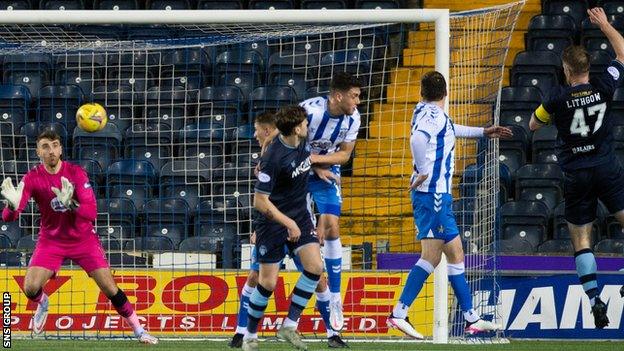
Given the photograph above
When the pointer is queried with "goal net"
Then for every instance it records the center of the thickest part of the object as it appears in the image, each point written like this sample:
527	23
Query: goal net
173	168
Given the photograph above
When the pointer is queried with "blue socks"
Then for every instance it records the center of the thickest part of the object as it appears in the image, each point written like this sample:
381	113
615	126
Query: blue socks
257	304
586	270
242	309
333	262
415	280
457	277
301	294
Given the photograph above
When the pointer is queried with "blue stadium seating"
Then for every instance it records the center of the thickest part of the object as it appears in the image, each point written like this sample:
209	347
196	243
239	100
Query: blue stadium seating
560	225
540	69
219	5
186	67
271	4
225	102
61	4
559	246
116	5
201	244
167	217
59	103
15	5
26	243
540	182
599	60
577	9
167	106
517	106
513	151
544	145
94	171
515	246
168	5
12	231
324	4
550	32
270	98
188	192
525	220
352	61
611	246
102	146
118	213
612	7
32	71
378	4
149	243
14	104
119	101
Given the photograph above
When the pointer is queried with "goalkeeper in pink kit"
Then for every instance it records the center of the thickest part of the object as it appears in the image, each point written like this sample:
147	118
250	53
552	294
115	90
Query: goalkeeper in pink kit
68	209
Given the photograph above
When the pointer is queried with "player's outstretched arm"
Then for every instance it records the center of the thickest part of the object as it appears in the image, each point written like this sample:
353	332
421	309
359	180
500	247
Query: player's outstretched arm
339	157
16	198
268	209
598	17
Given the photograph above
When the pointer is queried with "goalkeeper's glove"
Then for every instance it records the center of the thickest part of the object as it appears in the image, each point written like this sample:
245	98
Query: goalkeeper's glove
12	196
65	195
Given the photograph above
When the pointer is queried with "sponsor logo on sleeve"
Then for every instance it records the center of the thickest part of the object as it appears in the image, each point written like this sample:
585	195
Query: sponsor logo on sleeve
614	72
264	178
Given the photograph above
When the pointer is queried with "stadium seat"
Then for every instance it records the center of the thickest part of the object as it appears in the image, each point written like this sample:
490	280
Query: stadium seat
352	61
132	68
167	5
59	103
188	67
185	172
131	172
560	224
240	61
526	220
102	146
517	106
610	246
117	232
614	228
270	98
12	231
167	107
560	246
94	172
196	244
544	145
15	5
293	70
577	9
324	4
225	102
32	71
26	243
540	69
118	213
167	217
61	5
270	4
599	60
119	101
592	37
85	71
190	193
14	104
463	209
540	182
612	7
224	234
544	28
515	246
116	5
378	4
219	5
149	243
244	81
110	243
11	259
513	150
5	242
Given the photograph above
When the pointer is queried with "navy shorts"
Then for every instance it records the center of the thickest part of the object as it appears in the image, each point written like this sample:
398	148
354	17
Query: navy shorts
271	238
583	188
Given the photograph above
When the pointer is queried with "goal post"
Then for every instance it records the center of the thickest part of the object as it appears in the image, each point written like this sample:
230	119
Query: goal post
167	105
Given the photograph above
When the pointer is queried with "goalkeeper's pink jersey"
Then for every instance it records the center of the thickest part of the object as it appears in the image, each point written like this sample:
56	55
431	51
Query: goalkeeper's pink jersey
58	222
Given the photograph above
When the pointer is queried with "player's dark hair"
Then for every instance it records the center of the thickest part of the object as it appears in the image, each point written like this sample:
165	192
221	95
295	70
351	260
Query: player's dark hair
288	117
266	117
577	59
433	86
50	134
343	81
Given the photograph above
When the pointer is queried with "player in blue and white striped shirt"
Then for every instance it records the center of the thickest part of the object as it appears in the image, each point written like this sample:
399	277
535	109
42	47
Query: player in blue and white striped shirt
432	144
333	124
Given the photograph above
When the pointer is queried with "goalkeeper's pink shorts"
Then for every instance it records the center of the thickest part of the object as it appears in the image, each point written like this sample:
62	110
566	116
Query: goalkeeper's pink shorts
87	253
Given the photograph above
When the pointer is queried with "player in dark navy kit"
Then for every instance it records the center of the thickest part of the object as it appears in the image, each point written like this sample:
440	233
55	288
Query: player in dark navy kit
281	200
581	113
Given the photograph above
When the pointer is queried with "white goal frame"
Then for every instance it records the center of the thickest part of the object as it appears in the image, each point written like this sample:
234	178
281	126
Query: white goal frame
441	18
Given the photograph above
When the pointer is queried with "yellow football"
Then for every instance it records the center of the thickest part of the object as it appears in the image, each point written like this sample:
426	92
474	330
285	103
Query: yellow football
91	117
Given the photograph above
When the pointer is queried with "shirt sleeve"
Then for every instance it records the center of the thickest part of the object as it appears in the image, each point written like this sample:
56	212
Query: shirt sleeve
612	78
544	112
83	192
8	215
352	133
267	174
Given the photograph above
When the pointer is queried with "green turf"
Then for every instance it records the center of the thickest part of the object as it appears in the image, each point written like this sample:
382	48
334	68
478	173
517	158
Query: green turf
106	345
